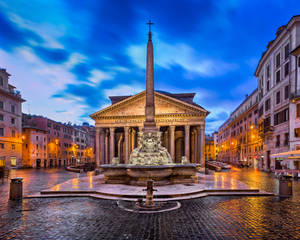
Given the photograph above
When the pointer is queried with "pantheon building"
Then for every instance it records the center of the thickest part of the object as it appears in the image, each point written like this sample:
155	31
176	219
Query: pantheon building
177	116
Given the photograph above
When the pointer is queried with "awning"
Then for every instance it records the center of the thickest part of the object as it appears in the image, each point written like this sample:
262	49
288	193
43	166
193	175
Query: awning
289	154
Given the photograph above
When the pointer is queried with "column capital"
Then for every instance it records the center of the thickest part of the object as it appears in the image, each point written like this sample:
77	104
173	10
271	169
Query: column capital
172	127
112	129
187	127
126	128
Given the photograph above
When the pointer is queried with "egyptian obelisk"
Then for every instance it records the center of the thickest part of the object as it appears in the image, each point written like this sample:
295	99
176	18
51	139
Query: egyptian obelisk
149	124
149	150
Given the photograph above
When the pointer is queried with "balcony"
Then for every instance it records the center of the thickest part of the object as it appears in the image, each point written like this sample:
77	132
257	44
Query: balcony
266	131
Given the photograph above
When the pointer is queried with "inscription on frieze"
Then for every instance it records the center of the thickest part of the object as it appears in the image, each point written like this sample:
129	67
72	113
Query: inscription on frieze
118	121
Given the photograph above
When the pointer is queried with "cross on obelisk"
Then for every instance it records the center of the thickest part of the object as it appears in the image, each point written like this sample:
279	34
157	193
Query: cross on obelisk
150	23
149	124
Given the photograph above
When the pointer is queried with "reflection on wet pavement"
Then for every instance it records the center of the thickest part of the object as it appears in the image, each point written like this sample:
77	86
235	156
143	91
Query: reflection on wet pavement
205	218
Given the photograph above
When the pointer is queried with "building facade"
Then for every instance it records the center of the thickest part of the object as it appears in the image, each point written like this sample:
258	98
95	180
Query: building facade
210	153
276	126
238	141
181	121
35	147
66	144
10	123
278	86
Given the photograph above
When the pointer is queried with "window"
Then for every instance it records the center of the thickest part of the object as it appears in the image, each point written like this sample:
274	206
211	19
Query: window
297	132
261	111
268	85
277	60
277	144
1	117
1	105
278	97
2	132
13	146
286	92
13	133
37	138
286	69
1	81
286	139
13	108
13	161
37	146
267	104
268	71
286	51
281	117
278	76
2	145
12	120
298	110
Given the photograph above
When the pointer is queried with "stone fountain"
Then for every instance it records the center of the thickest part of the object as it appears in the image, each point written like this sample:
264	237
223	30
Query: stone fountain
150	160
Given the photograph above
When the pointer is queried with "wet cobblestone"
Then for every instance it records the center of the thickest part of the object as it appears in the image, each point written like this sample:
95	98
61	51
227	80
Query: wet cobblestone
205	218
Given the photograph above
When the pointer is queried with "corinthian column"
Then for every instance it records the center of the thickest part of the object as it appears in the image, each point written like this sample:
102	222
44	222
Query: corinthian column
172	142
187	142
202	155
102	145
97	146
106	147
112	143
126	130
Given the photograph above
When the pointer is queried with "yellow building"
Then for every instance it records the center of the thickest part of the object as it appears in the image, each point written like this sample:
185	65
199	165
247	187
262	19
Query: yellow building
209	148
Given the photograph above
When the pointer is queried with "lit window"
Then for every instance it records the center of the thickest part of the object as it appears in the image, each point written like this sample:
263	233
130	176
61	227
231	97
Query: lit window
13	161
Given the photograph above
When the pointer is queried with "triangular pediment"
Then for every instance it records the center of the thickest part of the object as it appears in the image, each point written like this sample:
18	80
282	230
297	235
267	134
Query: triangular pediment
135	106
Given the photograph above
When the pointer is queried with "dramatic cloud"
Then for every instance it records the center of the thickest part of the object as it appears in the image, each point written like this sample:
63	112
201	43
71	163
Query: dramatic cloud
182	55
68	57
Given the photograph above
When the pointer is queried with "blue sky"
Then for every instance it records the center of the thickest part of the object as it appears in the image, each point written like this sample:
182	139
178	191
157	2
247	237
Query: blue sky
67	57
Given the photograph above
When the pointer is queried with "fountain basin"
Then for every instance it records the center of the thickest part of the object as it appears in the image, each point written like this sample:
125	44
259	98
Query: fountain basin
139	174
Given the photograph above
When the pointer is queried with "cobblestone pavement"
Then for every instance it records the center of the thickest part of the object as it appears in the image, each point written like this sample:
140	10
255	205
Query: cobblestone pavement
204	218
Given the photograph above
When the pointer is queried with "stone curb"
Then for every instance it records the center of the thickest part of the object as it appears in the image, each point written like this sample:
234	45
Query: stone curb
98	195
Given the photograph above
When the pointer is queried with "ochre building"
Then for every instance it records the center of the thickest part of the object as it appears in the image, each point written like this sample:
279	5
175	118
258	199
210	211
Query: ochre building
176	115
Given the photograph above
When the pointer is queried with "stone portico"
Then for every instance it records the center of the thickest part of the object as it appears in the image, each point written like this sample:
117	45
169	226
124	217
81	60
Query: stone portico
181	121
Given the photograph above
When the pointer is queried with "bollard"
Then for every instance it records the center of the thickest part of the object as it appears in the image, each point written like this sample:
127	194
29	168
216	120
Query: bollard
285	186
16	189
